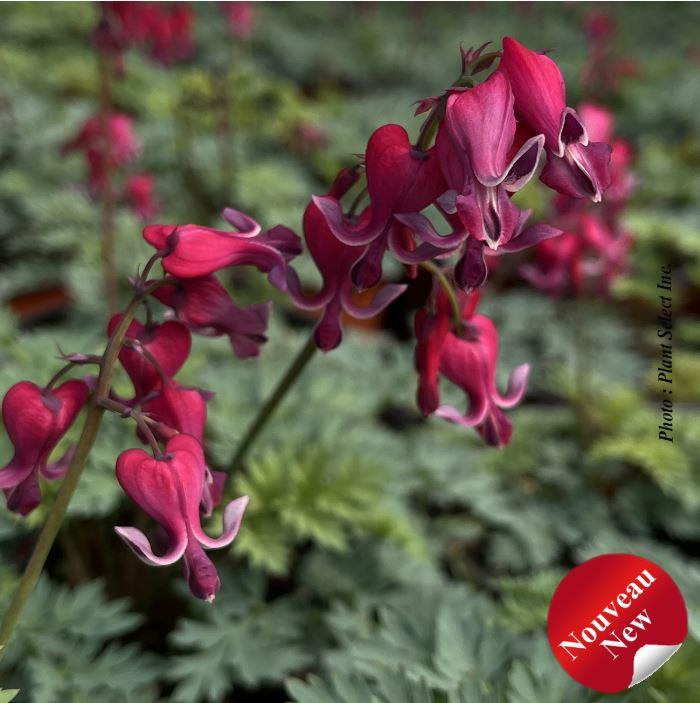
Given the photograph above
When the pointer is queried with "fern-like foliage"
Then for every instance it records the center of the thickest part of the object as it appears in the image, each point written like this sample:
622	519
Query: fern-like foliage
240	640
66	647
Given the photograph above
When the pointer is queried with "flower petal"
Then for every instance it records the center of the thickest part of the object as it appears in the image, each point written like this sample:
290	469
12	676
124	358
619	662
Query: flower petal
517	383
233	515
140	546
384	297
538	89
530	237
481	122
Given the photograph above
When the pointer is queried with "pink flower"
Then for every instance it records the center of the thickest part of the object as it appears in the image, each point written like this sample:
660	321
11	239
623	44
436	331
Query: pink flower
121	147
576	166
557	267
480	134
334	260
400	179
205	306
139	191
157	352
590	253
241	18
182	409
36	419
193	251
432	329
163	28
170	33
169	489
468	359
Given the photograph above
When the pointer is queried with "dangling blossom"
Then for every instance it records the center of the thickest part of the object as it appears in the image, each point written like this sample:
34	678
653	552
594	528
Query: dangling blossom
121	147
468	358
139	191
400	178
589	255
335	260
36	419
163	29
193	251
153	352
169	489
184	410
575	166
206	307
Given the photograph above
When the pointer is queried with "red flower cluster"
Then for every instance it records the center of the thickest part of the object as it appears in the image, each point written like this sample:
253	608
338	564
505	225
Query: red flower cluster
163	29
479	145
490	140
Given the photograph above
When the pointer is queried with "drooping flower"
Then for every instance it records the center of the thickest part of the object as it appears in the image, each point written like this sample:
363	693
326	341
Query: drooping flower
164	29
400	179
468	358
140	194
184	410
334	260
193	251
481	127
157	352
36	419
169	489
432	328
205	306
576	166
114	148
171	33
588	255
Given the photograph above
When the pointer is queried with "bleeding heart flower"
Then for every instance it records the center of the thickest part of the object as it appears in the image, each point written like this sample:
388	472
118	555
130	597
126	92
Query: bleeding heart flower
481	127
121	146
157	352
432	328
169	489
36	419
182	409
334	260
400	179
139	192
576	166
468	358
205	306
477	203
192	251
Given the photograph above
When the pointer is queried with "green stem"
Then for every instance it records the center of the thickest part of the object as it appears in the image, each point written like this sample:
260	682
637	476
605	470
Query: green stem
285	383
58	510
109	271
436	271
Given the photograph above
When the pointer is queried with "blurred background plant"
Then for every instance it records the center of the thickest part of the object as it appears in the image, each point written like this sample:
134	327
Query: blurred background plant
383	557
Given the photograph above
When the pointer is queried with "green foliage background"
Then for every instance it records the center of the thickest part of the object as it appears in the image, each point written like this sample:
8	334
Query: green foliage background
384	559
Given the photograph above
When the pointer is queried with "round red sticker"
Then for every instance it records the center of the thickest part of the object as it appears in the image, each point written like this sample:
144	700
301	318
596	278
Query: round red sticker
614	620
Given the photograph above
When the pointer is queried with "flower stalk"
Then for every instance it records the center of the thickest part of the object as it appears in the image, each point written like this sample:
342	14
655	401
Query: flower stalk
105	67
293	372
